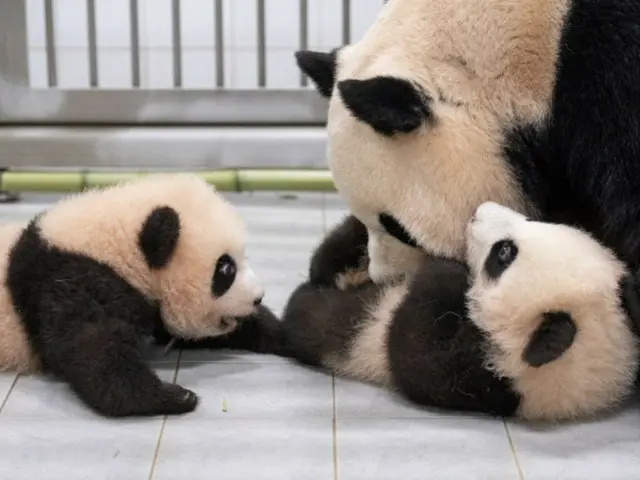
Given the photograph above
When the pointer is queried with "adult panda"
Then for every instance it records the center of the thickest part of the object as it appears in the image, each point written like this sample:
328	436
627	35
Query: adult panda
543	325
87	280
445	104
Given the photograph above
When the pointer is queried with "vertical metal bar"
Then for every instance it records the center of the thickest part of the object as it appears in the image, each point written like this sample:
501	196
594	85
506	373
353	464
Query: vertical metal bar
177	44
346	22
52	71
93	47
14	52
135	43
262	54
304	35
219	40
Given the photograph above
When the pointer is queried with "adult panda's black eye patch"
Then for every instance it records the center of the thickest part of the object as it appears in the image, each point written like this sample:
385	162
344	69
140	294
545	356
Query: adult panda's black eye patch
502	254
388	104
396	230
552	338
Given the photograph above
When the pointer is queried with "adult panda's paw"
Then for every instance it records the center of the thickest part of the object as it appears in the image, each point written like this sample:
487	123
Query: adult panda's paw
178	400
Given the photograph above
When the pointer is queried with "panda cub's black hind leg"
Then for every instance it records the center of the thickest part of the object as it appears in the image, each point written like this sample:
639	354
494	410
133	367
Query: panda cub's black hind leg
103	366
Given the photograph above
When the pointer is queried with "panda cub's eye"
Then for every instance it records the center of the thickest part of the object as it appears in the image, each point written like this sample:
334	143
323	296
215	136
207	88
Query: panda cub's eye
224	275
502	255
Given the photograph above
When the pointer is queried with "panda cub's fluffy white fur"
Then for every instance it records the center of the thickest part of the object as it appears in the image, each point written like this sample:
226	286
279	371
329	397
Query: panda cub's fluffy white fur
84	283
542	324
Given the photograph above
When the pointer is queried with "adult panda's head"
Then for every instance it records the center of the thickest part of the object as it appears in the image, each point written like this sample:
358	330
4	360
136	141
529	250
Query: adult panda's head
558	309
194	247
420	112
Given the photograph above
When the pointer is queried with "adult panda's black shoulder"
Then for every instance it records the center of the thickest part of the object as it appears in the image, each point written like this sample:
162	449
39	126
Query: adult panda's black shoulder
542	325
87	280
445	104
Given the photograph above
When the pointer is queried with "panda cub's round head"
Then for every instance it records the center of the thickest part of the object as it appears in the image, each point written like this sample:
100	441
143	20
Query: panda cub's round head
194	246
548	298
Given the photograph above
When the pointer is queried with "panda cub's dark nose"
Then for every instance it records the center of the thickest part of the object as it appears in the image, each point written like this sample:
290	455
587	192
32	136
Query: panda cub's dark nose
258	301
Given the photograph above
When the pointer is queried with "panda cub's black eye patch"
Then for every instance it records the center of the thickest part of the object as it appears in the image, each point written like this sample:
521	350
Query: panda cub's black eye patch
396	230
503	253
224	275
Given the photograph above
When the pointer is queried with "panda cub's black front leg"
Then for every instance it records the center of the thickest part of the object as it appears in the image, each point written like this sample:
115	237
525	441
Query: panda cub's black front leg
103	366
341	259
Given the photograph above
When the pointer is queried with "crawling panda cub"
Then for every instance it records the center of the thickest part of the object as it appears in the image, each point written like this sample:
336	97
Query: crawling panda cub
542	324
86	281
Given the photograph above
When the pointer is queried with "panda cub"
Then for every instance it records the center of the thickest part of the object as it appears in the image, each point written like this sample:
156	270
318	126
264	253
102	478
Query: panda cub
86	281
542	324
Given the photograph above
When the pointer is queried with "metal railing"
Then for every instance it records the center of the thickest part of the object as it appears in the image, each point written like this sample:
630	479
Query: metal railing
53	127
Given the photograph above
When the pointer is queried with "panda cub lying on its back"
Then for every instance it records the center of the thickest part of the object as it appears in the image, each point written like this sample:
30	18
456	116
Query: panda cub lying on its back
539	326
87	280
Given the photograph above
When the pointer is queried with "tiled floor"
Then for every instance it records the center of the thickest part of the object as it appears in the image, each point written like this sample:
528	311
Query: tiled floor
263	417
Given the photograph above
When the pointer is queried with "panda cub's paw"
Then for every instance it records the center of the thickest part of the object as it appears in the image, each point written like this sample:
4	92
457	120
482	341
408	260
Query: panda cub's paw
178	400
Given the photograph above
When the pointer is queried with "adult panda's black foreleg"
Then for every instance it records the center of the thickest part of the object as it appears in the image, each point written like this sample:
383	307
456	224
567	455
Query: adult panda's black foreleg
101	362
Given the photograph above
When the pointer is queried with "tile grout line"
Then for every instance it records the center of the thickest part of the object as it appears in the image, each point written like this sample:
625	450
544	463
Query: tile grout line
156	452
513	449
6	398
334	428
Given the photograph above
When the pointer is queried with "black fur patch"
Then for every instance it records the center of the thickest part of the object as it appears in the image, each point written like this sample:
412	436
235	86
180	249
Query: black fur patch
595	128
502	254
551	339
87	323
396	230
629	293
159	236
343	248
320	67
224	275
437	354
388	104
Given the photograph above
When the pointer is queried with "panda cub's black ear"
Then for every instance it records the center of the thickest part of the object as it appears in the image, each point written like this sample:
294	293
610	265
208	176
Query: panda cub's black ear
552	338
388	104
320	67
159	236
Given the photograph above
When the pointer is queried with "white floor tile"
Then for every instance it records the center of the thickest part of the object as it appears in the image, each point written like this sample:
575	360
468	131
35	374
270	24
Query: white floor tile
408	449
241	449
75	449
605	449
257	390
361	400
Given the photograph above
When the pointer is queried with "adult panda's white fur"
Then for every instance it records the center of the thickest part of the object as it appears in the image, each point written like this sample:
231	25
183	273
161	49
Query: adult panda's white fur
85	281
445	104
543	325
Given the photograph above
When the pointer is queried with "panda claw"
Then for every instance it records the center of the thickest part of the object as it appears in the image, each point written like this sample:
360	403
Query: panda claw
180	400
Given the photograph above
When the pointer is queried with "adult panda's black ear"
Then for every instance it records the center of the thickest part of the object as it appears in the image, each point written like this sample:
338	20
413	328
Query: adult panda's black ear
629	293
551	339
159	236
320	67
388	104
